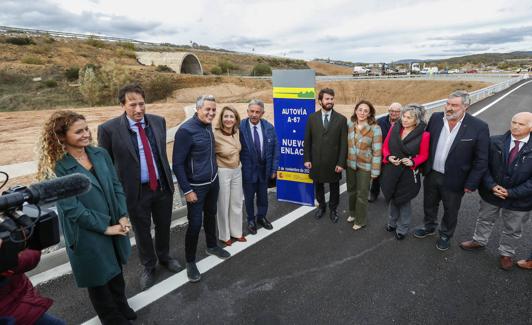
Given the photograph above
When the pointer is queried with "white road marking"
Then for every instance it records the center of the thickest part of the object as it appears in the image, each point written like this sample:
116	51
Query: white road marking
499	99
174	282
65	268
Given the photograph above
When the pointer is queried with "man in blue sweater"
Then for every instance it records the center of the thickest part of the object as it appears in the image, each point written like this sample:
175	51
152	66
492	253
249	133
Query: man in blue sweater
194	164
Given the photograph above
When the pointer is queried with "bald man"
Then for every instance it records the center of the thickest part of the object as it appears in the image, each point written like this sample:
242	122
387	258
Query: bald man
386	122
506	189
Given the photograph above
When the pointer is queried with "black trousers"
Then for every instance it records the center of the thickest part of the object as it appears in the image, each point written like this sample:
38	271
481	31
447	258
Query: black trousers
334	195
434	192
109	299
156	205
203	211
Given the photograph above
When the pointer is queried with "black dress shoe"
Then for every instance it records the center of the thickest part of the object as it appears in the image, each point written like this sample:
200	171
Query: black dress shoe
252	228
128	312
172	265
372	197
265	223
399	236
193	273
218	252
390	228
334	216
147	279
319	213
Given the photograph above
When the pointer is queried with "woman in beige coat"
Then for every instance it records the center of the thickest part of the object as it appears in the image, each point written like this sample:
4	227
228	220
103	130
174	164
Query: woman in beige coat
227	140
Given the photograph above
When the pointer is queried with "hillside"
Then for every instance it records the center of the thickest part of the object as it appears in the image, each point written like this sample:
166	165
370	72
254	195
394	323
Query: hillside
43	73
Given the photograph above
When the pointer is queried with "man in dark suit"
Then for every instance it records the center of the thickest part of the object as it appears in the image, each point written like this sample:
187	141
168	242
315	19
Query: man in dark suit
506	190
325	151
136	142
458	159
260	158
386	122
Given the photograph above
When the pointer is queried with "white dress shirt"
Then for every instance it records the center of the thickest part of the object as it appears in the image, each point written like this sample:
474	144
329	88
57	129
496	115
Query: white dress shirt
447	137
325	113
522	142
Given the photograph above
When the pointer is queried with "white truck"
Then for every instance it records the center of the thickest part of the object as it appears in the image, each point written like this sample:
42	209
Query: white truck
359	70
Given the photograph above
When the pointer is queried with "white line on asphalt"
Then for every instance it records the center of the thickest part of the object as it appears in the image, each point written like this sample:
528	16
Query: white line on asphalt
500	98
65	268
163	288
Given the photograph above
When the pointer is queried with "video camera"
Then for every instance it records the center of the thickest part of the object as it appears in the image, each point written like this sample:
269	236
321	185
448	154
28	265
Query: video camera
28	225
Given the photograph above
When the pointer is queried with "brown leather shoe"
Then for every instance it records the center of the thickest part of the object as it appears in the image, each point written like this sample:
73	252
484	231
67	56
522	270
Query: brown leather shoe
506	262
525	264
471	245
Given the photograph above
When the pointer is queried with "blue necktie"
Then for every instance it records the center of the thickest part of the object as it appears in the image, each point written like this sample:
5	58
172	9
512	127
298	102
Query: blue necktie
256	140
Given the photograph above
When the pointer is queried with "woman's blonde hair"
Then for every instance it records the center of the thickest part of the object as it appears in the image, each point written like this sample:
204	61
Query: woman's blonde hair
221	118
50	147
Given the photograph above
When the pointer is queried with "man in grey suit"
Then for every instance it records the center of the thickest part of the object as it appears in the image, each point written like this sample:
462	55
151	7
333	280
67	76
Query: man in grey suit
136	142
326	151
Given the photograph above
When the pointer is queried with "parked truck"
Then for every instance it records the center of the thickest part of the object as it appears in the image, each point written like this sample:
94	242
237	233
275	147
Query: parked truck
359	70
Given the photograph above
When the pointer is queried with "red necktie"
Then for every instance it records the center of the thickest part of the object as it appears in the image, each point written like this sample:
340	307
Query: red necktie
513	153
149	159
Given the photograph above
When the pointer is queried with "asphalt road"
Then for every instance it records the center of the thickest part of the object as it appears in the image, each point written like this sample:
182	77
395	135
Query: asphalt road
316	272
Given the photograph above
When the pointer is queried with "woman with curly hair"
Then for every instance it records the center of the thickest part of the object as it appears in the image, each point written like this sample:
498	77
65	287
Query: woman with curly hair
95	224
364	141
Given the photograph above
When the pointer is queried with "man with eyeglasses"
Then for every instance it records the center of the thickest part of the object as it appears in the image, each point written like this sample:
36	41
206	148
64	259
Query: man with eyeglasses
386	122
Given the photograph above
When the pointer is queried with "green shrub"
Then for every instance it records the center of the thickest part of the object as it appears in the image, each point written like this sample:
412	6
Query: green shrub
227	66
49	40
216	70
32	60
159	88
163	68
93	41
72	74
124	53
50	83
127	45
90	87
261	69
20	41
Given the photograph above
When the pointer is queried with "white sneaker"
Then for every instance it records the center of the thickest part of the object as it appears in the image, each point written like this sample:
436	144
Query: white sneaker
350	219
357	227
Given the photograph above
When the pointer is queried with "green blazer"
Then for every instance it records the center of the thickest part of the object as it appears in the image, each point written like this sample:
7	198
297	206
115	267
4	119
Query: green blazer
94	256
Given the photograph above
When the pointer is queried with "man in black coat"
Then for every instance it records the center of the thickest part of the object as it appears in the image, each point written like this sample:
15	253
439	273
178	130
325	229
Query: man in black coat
506	189
385	122
458	159
136	142
325	151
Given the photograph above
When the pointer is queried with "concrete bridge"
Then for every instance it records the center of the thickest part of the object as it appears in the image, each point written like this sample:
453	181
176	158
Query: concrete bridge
180	62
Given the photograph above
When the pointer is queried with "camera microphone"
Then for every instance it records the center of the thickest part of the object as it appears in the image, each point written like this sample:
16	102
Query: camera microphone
48	191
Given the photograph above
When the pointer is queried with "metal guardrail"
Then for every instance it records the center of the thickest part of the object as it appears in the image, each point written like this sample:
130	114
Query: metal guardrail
489	77
480	94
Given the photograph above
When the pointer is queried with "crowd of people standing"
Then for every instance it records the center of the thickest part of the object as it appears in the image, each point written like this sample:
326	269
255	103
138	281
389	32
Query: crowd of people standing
216	166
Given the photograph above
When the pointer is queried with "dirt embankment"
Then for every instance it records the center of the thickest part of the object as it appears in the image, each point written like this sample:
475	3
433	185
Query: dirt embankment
20	130
327	69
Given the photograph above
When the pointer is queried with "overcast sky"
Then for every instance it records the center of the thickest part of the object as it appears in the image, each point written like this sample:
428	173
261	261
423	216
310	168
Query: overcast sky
351	30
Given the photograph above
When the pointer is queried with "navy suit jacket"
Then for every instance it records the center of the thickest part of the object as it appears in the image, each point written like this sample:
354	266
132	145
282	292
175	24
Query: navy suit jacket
468	157
516	178
251	166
